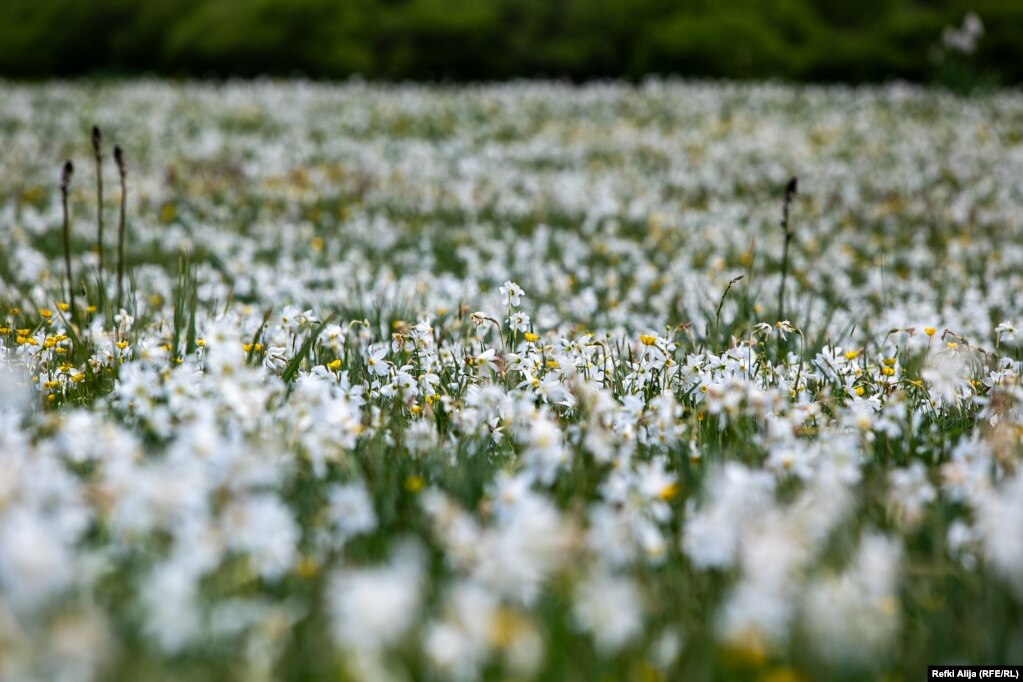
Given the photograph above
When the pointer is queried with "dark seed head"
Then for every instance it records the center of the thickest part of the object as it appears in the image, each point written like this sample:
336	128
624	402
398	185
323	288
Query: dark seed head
97	139
791	189
65	176
119	158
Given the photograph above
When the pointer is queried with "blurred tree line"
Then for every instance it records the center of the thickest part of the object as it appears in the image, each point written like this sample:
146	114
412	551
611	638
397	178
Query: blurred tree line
805	40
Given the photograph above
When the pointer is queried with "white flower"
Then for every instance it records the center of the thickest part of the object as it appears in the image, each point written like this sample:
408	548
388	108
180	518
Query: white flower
15	389
486	360
609	608
169	597
1000	526
460	643
519	321
351	510
853	618
377	364
35	561
947	376
263	527
784	328
511	294
372	608
737	496
911	492
545	453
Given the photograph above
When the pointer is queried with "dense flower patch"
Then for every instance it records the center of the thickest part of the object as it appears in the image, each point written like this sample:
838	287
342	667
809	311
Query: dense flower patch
491	383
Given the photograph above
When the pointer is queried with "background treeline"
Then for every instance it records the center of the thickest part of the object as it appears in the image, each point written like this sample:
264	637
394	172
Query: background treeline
805	40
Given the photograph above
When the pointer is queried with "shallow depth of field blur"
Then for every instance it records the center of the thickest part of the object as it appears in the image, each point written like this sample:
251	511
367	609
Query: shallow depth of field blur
528	381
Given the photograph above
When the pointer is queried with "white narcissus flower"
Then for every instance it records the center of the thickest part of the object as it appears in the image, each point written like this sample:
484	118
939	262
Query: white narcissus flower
852	618
947	375
486	360
609	607
373	607
377	364
519	321
351	510
511	294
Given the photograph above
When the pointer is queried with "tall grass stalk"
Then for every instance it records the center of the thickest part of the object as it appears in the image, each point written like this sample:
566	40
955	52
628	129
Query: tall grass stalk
119	158
65	182
790	193
97	151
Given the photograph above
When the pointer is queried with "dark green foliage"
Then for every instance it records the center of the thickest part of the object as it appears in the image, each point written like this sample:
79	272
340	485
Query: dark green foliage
806	40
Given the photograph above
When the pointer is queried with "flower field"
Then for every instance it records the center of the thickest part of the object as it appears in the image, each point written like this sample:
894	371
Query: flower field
510	382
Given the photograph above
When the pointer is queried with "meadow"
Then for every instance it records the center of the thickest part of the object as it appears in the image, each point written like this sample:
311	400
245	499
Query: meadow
510	382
